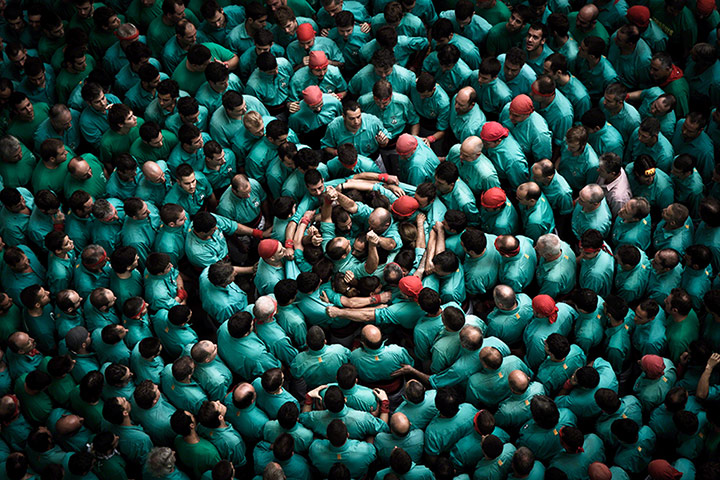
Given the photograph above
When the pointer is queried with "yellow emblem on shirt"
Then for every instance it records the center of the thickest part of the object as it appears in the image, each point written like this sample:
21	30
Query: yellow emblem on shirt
319	359
172	387
377	359
665	379
527	402
624	416
639	449
339	456
517	315
500	375
555	432
500	462
565	367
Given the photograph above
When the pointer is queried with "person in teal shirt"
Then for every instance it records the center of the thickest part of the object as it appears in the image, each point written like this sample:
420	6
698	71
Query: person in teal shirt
283	456
579	453
535	211
475	169
382	66
319	73
401	435
635	444
366	132
453	422
455	193
359	424
179	387
597	265
675	230
505	153
648	328
591	212
620	114
205	243
690	138
270	82
538	434
510	316
220	296
482	261
563	359
392	108
528	128
633	224
241	349
493	94
191	191
145	359
354	454
665	274
466	118
514	411
152	411
497	214
648	140
556	270
448	68
602	136
402	464
319	364
649	182
588	327
313	115
546	321
62	123
617	333
349	38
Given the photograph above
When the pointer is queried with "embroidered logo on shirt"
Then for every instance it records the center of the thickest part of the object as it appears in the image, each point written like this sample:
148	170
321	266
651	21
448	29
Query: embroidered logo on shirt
639	449
319	359
377	359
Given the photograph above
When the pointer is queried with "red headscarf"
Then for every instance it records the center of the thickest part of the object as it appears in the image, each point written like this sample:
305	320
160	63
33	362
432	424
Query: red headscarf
662	470
544	306
653	365
410	286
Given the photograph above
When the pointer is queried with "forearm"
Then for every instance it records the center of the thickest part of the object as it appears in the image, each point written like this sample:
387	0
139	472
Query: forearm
290	231
387	243
373	260
703	388
331	151
440	242
358	302
415	129
360	315
347	204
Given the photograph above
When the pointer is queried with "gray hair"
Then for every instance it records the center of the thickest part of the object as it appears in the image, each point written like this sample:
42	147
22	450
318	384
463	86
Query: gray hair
102	209
264	308
8	146
549	245
161	461
593	192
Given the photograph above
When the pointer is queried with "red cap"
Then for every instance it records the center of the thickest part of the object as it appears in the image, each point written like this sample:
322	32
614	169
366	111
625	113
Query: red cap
493	131
662	470
318	60
653	365
544	306
522	105
410	286
305	32
599	471
705	7
404	206
639	16
312	95
406	144
268	247
493	198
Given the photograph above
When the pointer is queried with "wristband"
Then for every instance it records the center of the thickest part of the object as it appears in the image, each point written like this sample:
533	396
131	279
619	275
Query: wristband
385	406
308	399
375	299
627	97
304	221
383	177
289	244
431	139
182	294
257	233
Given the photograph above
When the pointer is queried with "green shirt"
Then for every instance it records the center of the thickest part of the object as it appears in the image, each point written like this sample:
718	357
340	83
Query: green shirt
355	455
24	131
442	433
246	356
319	367
18	174
196	457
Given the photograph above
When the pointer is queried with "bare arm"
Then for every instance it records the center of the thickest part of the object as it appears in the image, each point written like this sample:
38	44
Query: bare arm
703	388
440	239
413	372
360	315
420	223
373	260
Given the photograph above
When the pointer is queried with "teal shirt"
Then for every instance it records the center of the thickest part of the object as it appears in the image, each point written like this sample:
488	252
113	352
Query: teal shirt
246	356
579	170
466	124
144	369
659	193
539	329
651	392
678	238
479	174
629	408
185	396
538	219
492	96
599	219
558	115
499	222
575	465
203	253
509	161
608	140
481	273
279	344
294	467
553	375
518	271
598	78
319	367
161	290
574	90
581	401
489	387
631	233
532	134
589	327
508	325
597	273
306	120
221	302
634	458
650	338
332	81
420	166
396	116
450	80
435	108
272	90
377	365
412	443
660	285
359	424
248	421
156	420
625	121
545	443
442	433
701	148
211	99
420	414
302	436
558	276
134	443
514	411
401	79
363	140
354	454
559	193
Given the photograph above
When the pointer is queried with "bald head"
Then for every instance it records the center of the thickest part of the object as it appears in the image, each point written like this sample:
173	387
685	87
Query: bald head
153	172
471	148
7	406
471	337
243	391
379	220
588	13
504	297
518	381
491	357
79	168
371	335
399	424
68	424
591	194
528	190
465	94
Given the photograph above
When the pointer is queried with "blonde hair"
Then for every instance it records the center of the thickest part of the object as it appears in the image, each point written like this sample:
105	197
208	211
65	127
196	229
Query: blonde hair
252	119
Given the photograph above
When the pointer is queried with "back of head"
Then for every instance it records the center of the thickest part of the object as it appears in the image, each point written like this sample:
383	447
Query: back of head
544	411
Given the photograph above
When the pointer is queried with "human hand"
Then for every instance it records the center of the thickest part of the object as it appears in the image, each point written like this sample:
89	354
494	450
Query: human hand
373	238
713	361
365	27
381	394
381	139
293	107
349	276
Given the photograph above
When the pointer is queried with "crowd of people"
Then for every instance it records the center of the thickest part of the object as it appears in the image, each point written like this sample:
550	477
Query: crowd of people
354	239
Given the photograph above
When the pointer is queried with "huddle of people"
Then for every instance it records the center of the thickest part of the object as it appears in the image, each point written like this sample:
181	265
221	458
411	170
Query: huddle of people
353	239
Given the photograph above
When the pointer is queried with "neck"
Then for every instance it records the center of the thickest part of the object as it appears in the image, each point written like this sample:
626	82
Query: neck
535	53
192	437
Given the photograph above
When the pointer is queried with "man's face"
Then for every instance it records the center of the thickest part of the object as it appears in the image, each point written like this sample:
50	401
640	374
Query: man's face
59	157
657	71
275	4
383	72
130	120
177	14
152	84
19	60
514	23
642	316
584	22
25	110
690	130
534	40
16	24
645	138
100	103
257	130
516	118
317	108
127	175
68	245
190	36
345	32
422	201
114	22
585	203
257	24
79	64
281	140
319	73
189	183
157	142
613	103
63	122
166	101
85	10
143	213
220	86
334	8
511	70
462	104
57	31
382	103
243	191
317	189
216	161
217	21
484	79
442	186
344	226
197	143
352	119
37	81
238	111
307	44
83	170
659	107
574	148
646	179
